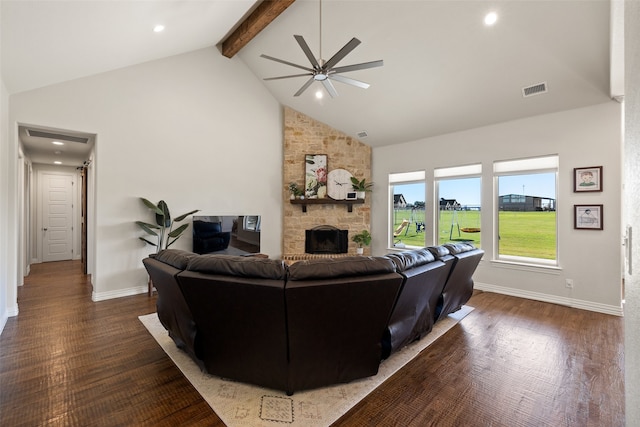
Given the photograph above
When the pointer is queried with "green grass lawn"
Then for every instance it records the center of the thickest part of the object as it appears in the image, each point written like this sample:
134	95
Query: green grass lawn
527	234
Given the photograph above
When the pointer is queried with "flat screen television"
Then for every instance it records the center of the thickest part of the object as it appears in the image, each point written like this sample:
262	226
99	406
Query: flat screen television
244	232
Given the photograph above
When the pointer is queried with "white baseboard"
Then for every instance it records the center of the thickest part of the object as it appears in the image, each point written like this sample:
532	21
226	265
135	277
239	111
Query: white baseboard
554	299
3	322
101	296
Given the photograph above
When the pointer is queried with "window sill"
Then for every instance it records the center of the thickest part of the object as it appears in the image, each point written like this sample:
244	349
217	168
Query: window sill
524	264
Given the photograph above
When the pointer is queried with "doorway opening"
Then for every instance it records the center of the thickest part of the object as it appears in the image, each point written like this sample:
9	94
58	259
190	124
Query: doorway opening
57	212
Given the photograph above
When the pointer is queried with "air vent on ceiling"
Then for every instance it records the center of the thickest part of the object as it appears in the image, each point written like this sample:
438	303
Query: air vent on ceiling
57	136
536	89
362	134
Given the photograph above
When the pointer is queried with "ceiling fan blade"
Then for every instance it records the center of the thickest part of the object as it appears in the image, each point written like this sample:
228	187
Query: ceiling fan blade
286	62
287	77
304	87
354	67
341	53
329	87
305	48
347	80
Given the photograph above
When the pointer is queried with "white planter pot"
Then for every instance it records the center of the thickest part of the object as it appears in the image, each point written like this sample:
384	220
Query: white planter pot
359	251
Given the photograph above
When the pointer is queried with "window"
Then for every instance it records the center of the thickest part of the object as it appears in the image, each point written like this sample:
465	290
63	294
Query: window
251	223
527	227
458	191
407	206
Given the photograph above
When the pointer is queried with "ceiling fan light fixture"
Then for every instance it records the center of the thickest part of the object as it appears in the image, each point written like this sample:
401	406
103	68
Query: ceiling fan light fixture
325	72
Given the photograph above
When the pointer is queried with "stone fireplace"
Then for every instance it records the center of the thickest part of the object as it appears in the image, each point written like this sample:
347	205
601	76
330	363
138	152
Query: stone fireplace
304	135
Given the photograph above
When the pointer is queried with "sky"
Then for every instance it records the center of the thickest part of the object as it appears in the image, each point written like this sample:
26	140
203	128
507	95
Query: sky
467	190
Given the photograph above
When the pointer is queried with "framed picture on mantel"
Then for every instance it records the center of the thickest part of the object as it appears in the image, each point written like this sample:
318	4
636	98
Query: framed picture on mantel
315	176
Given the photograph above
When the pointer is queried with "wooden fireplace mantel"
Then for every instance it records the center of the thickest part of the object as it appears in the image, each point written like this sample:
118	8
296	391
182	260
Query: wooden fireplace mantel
326	201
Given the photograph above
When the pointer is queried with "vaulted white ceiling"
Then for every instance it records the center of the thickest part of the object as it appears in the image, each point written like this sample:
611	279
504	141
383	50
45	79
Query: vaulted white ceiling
444	70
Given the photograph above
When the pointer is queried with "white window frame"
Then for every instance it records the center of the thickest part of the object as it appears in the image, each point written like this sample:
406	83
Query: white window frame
400	178
449	173
525	166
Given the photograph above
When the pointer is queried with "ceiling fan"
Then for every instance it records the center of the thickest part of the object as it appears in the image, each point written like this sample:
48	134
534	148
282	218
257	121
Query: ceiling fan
325	72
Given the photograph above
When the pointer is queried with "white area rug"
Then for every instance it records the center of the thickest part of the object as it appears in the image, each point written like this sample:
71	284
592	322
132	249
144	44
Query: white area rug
239	404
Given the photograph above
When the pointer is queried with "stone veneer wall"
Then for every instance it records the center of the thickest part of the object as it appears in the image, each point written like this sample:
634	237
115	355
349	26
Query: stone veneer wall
304	135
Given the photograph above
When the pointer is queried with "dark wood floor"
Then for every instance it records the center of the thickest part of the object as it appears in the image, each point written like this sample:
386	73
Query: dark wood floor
65	360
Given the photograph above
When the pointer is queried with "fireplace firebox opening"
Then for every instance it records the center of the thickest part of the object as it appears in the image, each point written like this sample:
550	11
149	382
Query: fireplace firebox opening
326	239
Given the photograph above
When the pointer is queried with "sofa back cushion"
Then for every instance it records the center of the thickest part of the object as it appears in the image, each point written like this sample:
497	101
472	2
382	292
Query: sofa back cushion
410	259
457	248
327	268
174	257
438	251
231	265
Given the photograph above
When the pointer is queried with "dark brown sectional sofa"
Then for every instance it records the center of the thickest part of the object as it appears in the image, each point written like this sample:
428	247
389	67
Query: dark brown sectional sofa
309	324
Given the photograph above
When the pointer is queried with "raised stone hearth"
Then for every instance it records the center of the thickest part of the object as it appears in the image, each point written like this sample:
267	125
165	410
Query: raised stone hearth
302	257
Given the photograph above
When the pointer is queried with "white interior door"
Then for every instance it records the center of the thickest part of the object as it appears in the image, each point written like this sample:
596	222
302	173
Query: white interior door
57	217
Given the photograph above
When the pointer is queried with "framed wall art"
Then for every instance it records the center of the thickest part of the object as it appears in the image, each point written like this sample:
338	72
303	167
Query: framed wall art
587	217
315	176
587	179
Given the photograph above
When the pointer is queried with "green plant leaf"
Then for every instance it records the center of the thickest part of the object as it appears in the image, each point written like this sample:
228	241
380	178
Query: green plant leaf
169	243
151	206
181	217
178	231
149	242
164	217
148	227
360	185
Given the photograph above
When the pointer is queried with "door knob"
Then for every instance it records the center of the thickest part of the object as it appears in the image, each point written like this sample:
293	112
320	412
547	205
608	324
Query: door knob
45	229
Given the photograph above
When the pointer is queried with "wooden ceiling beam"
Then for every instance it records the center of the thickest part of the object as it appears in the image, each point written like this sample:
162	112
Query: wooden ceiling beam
262	16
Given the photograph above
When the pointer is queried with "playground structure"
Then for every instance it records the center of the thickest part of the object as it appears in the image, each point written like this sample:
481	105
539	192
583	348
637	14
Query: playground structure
404	225
416	217
457	210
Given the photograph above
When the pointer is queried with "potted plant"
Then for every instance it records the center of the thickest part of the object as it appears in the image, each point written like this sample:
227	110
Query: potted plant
163	228
361	239
361	187
295	191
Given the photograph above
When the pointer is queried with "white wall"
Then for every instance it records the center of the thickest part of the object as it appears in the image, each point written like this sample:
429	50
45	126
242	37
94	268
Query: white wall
197	130
5	304
632	201
583	137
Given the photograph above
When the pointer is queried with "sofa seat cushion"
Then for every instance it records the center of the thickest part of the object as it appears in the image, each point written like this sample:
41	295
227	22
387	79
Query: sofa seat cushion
174	257
231	265
410	259
326	268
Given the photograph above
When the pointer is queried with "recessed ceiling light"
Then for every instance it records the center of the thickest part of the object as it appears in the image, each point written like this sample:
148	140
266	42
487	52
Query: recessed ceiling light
319	94
490	18
158	28
57	162
57	143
